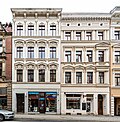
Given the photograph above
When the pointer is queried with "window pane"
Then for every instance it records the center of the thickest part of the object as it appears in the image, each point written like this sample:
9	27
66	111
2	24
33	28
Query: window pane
19	30
30	30
42	30
67	77
53	30
19	75
30	75
19	52
30	52
52	52
52	75
68	56
42	75
41	52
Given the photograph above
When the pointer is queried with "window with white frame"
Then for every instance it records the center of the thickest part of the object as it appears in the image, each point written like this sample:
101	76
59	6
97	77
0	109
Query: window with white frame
117	56
78	56
117	35
0	69
67	77
68	56
42	30
100	35
41	52
88	35
67	35
19	52
101	56
52	75
78	35
30	30
78	77
19	75
30	52
19	30
42	75
53	30
30	75
89	77
52	52
1	48
117	79
89	55
101	77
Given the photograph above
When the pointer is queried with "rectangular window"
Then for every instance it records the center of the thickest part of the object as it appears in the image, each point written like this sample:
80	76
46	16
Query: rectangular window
73	101
89	77
117	35
101	56
30	75
42	30
30	52
78	56
78	77
68	56
100	35
19	30
53	30
19	52
1	69
19	75
52	52
41	52
52	75
101	77
42	75
88	35
30	30
78	35
0	42
67	35
117	79
117	56
89	55
67	77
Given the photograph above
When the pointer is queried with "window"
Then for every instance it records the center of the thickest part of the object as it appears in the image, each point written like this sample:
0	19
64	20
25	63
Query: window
0	42
73	101
89	55
101	56
78	77
41	52
68	56
53	30
117	35
117	56
100	35
42	75
30	75
1	48
89	77
67	77
30	30
88	35
67	35
52	52
19	30
19	75
42	30
1	69
19	52
101	77
78	56
30	52
78	35
117	79
52	75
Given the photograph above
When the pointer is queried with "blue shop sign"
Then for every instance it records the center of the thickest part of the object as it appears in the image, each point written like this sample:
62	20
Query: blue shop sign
41	98
33	92
51	92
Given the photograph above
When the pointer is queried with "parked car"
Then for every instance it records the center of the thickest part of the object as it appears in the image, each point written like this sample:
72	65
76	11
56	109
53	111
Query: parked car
6	115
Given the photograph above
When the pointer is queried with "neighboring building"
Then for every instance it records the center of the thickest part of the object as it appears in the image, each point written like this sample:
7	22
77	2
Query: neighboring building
36	60
6	66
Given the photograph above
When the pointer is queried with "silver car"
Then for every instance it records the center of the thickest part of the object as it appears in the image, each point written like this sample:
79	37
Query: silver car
6	115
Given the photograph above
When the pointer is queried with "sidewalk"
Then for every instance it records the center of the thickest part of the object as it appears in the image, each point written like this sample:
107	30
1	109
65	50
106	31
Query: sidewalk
68	117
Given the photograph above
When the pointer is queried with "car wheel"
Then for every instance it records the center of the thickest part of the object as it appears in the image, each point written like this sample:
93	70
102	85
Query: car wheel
1	117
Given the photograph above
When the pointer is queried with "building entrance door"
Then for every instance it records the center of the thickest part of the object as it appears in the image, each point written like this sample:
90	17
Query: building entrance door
100	104
20	103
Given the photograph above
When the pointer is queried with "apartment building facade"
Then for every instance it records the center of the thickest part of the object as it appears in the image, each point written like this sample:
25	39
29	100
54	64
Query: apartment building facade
36	60
65	63
6	66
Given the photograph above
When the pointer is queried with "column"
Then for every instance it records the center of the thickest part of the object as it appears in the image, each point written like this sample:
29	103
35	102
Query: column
25	28
107	104
95	107
83	35
35	74
96	35
36	28
26	102
73	73
93	35
112	106
63	103
97	77
104	35
25	74
72	35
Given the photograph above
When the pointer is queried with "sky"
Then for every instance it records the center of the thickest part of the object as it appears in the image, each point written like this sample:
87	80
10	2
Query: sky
99	6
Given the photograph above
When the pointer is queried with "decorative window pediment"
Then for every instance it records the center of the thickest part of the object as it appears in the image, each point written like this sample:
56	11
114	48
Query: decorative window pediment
19	43
30	66
19	66
42	66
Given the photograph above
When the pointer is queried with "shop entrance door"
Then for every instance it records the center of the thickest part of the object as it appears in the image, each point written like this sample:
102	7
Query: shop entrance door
20	103
100	104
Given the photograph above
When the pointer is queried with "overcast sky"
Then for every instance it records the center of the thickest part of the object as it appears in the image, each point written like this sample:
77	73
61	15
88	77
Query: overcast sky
104	6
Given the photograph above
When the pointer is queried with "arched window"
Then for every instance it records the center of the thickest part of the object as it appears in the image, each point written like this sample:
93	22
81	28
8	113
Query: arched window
19	29
42	29
30	29
53	29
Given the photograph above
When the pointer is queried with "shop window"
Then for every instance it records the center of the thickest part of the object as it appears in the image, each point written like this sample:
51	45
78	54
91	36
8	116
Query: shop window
73	101
3	102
